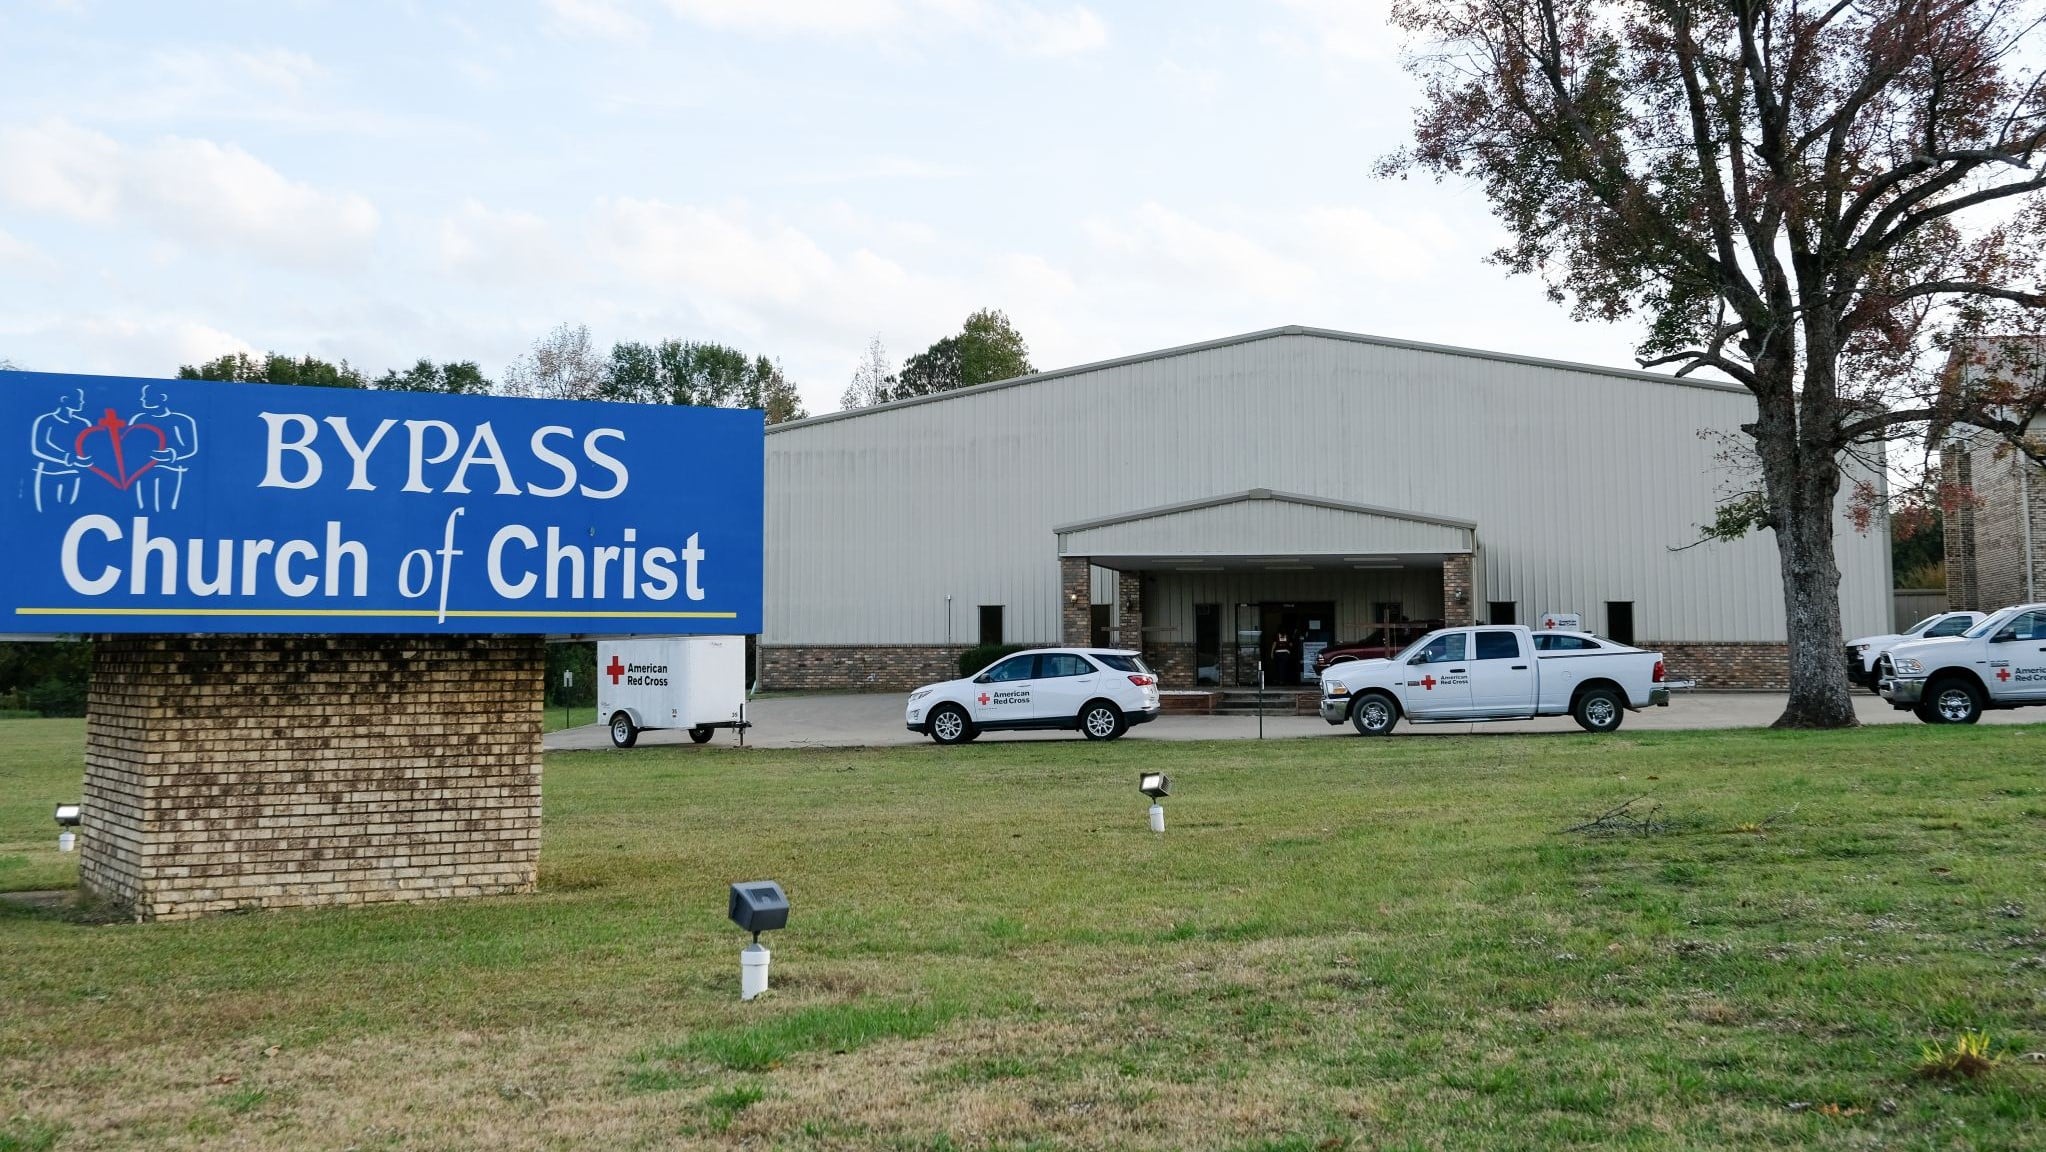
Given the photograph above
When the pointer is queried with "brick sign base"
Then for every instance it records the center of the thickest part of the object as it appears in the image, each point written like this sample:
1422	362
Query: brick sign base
230	772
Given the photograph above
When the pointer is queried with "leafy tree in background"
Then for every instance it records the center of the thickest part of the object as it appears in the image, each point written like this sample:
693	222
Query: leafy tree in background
562	365
1819	201
872	383
710	375
987	348
240	367
455	378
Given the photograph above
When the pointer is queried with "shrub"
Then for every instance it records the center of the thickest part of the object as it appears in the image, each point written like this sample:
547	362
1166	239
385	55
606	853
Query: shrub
1970	1057
981	655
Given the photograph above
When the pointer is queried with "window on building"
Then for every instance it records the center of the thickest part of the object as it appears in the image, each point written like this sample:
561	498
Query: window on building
1620	620
991	624
1498	646
1501	612
1098	632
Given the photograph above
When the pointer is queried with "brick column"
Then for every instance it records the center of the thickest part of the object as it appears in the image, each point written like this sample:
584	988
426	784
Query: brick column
1956	472
1129	610
228	772
1076	602
1456	590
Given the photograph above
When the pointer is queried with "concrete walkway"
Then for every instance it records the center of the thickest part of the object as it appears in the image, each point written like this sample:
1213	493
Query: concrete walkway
874	721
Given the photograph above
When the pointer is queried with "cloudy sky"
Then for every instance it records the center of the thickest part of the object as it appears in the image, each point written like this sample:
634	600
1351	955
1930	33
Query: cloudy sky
382	181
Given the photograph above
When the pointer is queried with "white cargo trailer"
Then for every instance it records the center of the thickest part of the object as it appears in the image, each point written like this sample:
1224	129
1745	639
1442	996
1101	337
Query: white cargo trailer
693	682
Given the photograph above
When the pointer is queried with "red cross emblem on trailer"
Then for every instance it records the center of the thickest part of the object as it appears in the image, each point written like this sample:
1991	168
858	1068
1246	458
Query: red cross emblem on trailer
2003	674
983	699
615	670
1428	682
1548	623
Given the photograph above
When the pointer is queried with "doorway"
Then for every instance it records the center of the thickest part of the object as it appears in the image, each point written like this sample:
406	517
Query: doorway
1284	637
1207	644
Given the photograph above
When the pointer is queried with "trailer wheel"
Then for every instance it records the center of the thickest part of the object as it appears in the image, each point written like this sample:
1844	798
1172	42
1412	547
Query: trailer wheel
701	734
1598	710
623	734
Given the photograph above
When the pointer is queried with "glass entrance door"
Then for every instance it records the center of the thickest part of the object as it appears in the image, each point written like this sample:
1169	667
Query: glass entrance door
1249	648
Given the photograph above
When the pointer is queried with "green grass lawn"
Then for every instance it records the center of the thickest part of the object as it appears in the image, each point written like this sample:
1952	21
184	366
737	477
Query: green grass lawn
1336	944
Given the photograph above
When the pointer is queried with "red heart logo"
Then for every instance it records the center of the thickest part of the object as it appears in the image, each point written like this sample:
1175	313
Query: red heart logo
117	433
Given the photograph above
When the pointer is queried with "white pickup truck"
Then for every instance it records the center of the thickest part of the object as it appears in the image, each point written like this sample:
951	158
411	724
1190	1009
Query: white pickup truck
1495	673
1999	663
1865	656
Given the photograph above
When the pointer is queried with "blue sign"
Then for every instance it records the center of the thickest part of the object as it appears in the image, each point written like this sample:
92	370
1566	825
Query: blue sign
192	506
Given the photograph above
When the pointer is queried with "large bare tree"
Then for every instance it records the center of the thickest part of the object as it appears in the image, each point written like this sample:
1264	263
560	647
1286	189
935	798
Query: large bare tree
1831	203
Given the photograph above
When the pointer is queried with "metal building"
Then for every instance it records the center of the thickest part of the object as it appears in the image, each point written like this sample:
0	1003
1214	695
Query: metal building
1198	501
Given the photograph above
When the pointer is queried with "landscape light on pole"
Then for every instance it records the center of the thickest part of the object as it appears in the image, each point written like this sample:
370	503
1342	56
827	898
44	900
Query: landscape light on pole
757	906
1157	786
68	818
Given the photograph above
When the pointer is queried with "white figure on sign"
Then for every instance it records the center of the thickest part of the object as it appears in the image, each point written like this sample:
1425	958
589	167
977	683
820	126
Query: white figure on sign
158	490
54	442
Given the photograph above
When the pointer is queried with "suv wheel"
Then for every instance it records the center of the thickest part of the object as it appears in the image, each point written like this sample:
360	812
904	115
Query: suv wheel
950	725
1101	721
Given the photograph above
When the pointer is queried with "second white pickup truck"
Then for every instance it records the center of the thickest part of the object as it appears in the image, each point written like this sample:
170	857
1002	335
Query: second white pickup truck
1495	673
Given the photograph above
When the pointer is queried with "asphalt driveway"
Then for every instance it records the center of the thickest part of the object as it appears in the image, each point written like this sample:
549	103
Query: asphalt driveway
875	720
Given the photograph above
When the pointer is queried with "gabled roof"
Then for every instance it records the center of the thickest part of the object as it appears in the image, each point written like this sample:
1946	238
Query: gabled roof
1266	334
1262	522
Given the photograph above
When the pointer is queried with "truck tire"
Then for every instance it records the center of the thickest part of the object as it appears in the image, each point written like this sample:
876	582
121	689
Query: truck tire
701	734
1100	720
1951	700
1598	710
949	724
623	734
1374	714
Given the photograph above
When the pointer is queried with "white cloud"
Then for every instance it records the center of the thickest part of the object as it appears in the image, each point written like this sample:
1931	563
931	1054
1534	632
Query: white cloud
192	192
606	19
119	343
775	16
1176	245
1356	240
500	245
20	255
1353	29
1020	27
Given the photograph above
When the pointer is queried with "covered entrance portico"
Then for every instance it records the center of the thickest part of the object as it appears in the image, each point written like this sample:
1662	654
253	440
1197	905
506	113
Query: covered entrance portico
1212	589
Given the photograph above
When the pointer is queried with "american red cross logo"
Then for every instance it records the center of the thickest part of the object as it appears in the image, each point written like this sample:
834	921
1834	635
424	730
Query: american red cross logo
2003	673
1548	623
1428	682
616	670
983	699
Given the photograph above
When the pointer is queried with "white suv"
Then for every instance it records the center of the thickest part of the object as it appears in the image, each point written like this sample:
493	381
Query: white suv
1099	692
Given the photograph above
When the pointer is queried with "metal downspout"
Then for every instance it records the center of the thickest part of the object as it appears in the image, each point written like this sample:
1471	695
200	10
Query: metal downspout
2025	518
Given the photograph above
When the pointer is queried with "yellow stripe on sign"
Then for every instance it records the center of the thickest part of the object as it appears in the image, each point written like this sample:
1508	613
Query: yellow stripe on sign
425	612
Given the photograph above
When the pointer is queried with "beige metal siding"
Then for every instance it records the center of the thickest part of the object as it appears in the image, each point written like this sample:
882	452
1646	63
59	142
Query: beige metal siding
1582	483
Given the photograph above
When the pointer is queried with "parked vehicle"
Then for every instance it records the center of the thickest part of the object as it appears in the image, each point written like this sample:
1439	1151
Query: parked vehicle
1098	692
1999	663
1864	656
1502	672
1381	643
693	682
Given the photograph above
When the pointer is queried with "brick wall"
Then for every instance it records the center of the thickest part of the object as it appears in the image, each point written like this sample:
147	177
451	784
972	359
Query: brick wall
1963	590
231	772
1987	557
1173	662
1721	666
1129	611
856	667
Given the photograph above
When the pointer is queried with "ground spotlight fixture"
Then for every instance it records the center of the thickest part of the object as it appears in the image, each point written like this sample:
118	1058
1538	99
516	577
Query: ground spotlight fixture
1157	786
68	818
757	906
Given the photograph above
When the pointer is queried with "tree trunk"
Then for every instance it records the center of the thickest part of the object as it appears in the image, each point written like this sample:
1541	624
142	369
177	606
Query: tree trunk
1803	482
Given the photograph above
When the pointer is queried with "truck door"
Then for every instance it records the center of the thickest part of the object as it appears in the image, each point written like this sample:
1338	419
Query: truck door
1502	676
1436	684
1007	692
2017	660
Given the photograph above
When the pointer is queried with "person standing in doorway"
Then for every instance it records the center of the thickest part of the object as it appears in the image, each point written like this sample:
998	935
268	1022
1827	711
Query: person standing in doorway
1285	661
